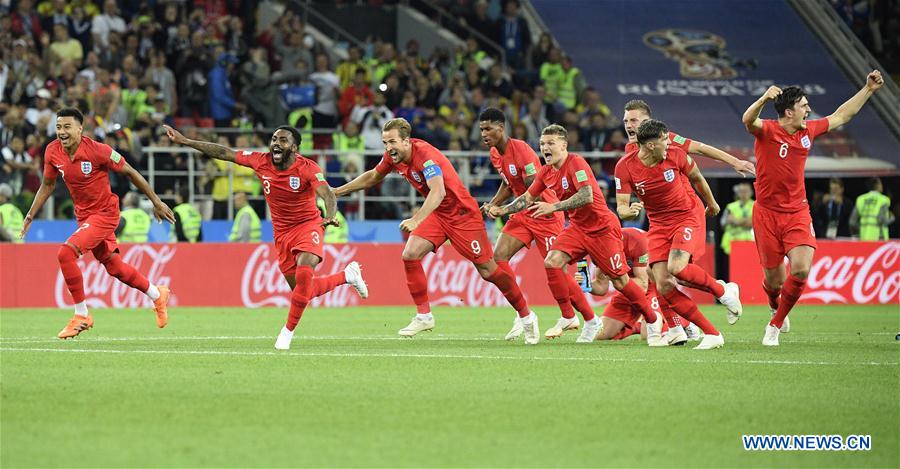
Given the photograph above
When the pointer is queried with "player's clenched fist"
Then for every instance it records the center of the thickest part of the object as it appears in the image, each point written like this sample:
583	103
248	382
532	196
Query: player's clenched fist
635	209
712	209
174	135
772	93
409	225
874	80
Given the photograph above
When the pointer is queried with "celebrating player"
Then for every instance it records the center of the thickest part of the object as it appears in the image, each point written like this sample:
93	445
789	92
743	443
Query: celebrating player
781	220
448	212
84	165
291	184
518	164
592	229
677	224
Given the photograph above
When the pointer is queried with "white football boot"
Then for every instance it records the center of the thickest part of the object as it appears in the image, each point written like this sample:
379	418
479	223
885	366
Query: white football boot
283	342
417	325
693	332
531	330
562	325
517	329
771	337
654	333
675	336
590	331
732	301
786	325
710	342
353	276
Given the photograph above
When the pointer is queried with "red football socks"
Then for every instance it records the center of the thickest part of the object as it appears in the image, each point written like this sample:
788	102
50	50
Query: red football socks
576	296
686	308
126	273
300	295
697	276
418	286
772	293
663	306
510	289
324	284
559	288
74	281
790	293
637	297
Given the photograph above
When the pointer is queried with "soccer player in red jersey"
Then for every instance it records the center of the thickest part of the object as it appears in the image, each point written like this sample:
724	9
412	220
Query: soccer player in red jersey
781	219
84	165
592	229
637	111
677	223
290	184
518	164
448	212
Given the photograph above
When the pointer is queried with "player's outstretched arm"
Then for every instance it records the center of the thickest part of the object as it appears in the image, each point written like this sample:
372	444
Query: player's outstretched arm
327	195
212	150
742	167
751	116
160	210
520	203
364	181
435	196
627	210
846	111
699	182
44	192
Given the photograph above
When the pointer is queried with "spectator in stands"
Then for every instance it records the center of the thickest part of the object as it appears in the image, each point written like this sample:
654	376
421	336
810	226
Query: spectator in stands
497	84
591	104
191	68
357	93
243	179
410	111
594	136
385	64
872	213
259	92
616	142
56	15
371	119
831	215
80	25
347	69
178	44
571	85
41	113
14	163
535	120
25	22
188	222
481	22
294	51
160	75
604	190
515	37
247	227
737	218
106	22
134	222
11	217
552	74
541	51
221	98
13	124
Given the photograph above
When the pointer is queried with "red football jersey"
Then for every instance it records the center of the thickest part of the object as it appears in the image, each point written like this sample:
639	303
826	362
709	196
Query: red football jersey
780	164
424	163
86	175
291	194
636	251
574	174
518	162
675	140
660	187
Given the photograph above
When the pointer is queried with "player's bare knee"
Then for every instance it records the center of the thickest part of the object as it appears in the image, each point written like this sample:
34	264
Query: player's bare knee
66	253
800	272
665	286
410	255
620	282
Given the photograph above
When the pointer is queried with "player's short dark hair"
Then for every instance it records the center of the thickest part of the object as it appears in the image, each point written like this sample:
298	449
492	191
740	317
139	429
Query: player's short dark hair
555	129
71	112
294	132
638	104
788	97
651	129
492	114
872	183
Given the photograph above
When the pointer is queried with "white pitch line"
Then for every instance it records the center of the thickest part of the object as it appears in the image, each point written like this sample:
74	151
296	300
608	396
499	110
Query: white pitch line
47	340
440	356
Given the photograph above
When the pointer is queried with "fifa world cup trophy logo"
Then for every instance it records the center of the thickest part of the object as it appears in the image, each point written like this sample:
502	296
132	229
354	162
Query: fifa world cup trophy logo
700	54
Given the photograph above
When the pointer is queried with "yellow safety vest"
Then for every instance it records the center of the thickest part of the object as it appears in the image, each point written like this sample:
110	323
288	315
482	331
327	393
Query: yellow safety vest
255	226
13	220
190	222
868	206
305	127
137	226
335	235
737	233
567	88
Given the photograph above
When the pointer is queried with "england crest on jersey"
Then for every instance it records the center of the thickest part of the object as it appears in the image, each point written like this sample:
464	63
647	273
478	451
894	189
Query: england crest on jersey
669	175
805	142
416	176
512	170
86	167
294	182
565	183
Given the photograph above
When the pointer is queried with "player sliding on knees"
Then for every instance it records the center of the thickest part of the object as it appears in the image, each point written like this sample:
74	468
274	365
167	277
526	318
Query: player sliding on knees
593	230
677	224
518	164
84	165
448	212
781	220
290	184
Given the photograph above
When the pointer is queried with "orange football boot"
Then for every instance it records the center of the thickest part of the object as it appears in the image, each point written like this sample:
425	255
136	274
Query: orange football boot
161	306
76	326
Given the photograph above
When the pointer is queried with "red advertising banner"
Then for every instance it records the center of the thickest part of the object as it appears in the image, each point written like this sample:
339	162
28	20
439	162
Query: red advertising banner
222	274
852	272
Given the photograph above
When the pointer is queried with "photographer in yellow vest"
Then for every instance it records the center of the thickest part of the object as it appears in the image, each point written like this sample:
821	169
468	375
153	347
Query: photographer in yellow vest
737	218
134	224
872	213
246	227
188	221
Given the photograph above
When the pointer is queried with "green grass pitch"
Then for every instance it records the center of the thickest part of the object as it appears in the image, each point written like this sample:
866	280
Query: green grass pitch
210	390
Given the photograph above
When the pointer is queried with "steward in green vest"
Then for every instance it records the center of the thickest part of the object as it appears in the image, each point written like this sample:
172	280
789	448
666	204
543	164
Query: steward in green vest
571	84
301	119
246	227
11	218
738	218
871	215
187	220
135	223
335	234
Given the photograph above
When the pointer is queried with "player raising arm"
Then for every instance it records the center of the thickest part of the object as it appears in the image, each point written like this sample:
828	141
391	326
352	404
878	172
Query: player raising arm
781	220
84	165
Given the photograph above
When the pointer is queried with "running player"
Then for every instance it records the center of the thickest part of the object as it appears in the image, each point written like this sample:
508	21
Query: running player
781	220
518	164
448	212
291	184
84	165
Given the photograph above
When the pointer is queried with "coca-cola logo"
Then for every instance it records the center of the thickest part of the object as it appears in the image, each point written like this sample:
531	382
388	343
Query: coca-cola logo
101	290
262	283
871	279
456	282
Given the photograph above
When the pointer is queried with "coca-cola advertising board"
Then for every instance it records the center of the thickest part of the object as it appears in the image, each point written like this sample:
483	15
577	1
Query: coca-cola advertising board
850	272
238	274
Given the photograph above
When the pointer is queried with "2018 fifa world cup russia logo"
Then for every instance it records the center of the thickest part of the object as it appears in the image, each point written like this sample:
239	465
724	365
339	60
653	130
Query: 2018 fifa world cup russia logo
700	54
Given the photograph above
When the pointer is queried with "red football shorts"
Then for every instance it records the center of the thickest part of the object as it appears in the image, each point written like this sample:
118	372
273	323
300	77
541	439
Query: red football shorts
96	234
605	248
466	234
688	235
301	238
543	231
777	233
